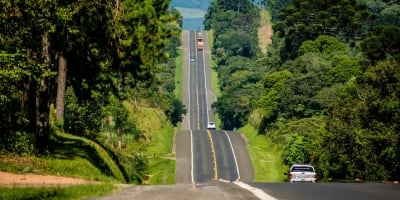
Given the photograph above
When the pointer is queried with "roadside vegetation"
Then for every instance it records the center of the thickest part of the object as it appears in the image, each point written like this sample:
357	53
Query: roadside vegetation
326	92
57	193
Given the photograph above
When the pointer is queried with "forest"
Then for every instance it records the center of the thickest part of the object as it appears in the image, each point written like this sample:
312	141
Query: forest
328	88
74	66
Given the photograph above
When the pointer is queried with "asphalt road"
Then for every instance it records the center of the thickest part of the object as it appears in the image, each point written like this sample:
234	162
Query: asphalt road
331	191
213	152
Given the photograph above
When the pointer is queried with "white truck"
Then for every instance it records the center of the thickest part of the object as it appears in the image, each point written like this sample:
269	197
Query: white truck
302	173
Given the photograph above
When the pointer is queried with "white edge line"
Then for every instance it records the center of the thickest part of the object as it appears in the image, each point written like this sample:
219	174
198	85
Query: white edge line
188	87
205	79
234	155
191	150
256	191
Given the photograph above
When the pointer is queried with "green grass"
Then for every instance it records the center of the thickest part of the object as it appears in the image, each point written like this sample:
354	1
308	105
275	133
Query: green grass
265	156
161	160
179	75
57	193
159	135
162	170
72	147
70	156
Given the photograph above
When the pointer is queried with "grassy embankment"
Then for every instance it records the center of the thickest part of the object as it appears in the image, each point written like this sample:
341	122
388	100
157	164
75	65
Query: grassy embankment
265	156
56	193
73	157
160	134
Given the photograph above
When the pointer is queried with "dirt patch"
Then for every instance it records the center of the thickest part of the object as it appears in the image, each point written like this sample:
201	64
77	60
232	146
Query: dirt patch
265	31
35	180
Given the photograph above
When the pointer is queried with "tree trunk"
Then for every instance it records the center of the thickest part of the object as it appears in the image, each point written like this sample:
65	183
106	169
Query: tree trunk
61	86
43	102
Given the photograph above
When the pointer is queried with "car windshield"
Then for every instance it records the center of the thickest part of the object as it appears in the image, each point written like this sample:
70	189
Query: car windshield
302	169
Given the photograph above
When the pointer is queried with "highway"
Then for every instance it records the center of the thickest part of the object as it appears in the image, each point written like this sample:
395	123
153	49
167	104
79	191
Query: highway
213	154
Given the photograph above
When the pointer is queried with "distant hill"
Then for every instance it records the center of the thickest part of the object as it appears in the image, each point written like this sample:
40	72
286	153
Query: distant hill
193	12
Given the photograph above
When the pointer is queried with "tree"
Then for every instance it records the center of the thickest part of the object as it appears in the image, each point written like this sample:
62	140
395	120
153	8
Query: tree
274	85
303	20
362	127
381	43
297	150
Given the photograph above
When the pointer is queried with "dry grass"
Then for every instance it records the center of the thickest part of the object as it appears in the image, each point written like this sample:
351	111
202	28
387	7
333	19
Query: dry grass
265	31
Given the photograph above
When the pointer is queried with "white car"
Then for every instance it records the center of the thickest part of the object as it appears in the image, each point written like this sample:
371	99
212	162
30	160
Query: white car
302	173
210	125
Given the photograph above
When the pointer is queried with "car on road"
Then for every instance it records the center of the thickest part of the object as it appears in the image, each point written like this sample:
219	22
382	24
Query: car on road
210	125
192	60
302	173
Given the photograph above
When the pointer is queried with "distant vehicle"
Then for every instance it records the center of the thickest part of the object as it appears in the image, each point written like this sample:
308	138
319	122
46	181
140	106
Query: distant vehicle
199	38
210	125
192	60
302	173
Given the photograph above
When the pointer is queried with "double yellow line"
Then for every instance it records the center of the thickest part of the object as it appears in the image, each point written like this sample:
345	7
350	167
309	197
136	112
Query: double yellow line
213	155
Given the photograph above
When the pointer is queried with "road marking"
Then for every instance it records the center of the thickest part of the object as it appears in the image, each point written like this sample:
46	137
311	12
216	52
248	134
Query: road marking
256	191
234	156
191	151
188	87
205	83
198	108
214	157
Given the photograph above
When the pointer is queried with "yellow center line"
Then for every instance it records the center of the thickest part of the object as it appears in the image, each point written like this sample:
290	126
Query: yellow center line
214	157
198	108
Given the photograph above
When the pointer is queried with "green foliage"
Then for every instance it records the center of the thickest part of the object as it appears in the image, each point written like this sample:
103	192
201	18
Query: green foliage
275	6
389	16
57	193
297	150
322	45
362	128
14	102
303	20
344	70
265	155
383	42
234	27
162	171
177	111
274	86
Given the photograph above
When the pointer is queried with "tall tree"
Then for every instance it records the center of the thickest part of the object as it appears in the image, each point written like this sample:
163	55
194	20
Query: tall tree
306	20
